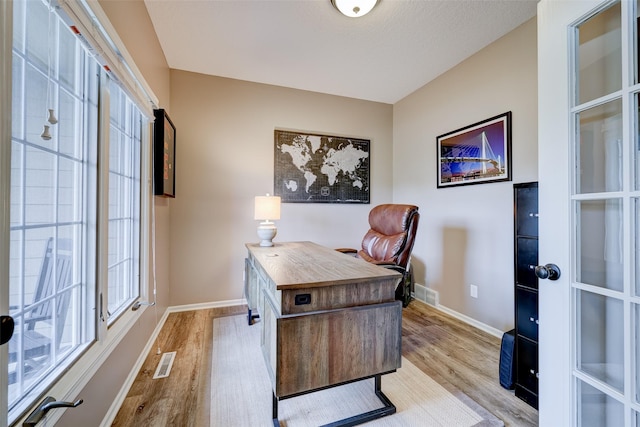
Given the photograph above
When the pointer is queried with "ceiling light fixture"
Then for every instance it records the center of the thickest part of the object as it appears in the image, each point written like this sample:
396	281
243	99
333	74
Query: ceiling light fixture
354	8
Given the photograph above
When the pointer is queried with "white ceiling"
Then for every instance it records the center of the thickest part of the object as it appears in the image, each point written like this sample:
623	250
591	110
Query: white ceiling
307	44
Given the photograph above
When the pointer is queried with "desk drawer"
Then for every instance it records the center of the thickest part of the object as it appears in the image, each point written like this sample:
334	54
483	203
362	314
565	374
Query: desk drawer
294	301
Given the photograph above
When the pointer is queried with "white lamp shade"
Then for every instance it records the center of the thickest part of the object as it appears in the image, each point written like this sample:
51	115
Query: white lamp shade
267	208
354	8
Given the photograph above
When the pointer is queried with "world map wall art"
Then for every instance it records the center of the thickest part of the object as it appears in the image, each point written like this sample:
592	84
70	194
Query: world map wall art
311	168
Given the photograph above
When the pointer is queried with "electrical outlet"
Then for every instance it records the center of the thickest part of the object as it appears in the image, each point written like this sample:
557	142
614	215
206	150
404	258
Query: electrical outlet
474	291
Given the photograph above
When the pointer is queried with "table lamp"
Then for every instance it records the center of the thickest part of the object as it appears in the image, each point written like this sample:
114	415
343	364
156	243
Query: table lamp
267	209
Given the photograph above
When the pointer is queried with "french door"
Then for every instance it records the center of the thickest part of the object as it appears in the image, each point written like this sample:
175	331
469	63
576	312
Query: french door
589	212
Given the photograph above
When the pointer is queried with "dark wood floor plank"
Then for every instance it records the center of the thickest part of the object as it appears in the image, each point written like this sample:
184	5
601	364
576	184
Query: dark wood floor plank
455	354
465	358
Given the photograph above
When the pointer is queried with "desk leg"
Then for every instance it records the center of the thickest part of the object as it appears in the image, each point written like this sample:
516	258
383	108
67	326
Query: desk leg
388	409
274	411
251	316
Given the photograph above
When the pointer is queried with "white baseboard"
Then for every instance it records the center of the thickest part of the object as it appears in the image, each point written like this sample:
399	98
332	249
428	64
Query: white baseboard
206	305
122	394
431	297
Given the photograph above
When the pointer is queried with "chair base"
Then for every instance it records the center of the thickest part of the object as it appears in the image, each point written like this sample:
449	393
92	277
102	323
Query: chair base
403	292
405	287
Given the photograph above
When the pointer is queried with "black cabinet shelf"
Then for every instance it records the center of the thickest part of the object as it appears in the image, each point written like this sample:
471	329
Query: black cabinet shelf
526	291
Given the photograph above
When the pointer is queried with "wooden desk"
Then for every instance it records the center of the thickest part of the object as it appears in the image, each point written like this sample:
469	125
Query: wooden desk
326	319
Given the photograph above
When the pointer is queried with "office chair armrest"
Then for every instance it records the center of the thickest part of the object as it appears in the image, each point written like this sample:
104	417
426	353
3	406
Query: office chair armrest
347	250
387	264
391	266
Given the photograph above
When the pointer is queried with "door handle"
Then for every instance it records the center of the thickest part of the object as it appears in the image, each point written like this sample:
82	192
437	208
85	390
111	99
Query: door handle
6	329
549	271
46	405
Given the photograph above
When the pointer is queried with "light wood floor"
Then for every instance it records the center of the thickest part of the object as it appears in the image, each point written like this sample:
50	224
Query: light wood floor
450	351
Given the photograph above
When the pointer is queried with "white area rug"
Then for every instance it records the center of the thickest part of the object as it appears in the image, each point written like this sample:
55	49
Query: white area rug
241	393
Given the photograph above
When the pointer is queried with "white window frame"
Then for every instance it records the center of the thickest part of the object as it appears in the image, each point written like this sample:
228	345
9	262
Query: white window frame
69	385
126	295
6	48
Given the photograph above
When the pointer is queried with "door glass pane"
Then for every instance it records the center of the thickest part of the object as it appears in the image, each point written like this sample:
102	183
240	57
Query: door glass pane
600	338
599	243
599	151
635	146
636	351
599	55
636	51
636	244
596	409
604	310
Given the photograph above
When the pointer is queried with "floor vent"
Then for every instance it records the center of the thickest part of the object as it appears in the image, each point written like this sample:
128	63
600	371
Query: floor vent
164	367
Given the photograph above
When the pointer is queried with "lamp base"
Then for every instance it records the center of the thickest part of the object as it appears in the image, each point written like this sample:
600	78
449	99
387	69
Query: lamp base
266	232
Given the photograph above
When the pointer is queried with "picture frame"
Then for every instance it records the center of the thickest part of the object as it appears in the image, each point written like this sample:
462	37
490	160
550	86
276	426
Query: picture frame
164	155
321	168
475	154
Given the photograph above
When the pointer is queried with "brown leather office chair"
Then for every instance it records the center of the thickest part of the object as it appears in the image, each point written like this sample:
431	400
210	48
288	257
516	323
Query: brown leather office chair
389	243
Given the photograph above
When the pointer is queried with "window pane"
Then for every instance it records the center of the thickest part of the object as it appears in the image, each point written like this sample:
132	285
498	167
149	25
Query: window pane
69	181
599	55
69	113
124	201
600	258
600	338
17	202
40	191
36	105
69	61
19	30
17	102
37	39
15	270
52	295
600	149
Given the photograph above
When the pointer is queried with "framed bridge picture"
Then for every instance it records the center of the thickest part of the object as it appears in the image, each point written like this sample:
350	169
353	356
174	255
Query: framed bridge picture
476	154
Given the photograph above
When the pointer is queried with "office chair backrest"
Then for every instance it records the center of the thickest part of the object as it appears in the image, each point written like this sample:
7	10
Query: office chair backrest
392	234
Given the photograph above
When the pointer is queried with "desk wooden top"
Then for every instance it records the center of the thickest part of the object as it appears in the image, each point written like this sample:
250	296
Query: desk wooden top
295	265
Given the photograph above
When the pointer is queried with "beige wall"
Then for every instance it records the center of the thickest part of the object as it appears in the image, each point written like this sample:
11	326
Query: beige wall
466	233
134	27
224	157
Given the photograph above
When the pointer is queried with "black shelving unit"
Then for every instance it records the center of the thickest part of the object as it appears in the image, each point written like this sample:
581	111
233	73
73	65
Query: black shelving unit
526	291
